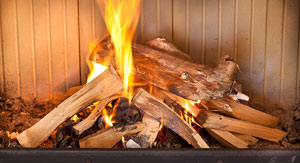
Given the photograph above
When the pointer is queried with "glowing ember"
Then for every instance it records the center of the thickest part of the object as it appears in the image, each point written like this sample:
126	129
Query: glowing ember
121	18
75	118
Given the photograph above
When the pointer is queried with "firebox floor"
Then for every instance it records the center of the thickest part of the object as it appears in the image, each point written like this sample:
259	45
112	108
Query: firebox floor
17	115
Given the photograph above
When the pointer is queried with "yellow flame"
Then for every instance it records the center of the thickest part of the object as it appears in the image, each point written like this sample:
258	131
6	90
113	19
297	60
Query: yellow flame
75	118
161	124
193	103
107	118
95	68
123	140
187	117
121	18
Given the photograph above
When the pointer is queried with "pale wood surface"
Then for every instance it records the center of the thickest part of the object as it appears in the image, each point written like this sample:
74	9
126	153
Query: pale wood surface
247	138
180	38
227	139
158	110
243	112
26	51
244	43
216	121
259	51
211	32
290	46
110	136
274	39
101	87
10	51
149	133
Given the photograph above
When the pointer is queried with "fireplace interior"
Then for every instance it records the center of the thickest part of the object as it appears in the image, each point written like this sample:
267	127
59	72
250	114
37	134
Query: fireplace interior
220	74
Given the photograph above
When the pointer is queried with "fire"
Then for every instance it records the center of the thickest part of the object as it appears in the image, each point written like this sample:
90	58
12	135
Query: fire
75	118
108	118
95	68
187	112
161	124
121	18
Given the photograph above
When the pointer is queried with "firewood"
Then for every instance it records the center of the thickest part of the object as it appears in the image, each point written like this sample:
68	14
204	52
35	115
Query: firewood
224	137
73	90
163	44
92	118
227	139
247	138
101	87
158	110
189	80
216	121
149	133
110	136
243	112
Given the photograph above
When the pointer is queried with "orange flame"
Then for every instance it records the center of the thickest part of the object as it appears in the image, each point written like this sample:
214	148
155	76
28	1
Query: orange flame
95	68
107	118
161	124
75	118
121	18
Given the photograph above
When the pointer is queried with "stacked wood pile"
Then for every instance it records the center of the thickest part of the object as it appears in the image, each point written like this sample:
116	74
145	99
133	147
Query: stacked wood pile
177	83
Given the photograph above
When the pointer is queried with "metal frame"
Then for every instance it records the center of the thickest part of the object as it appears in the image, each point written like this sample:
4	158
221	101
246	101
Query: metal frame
148	156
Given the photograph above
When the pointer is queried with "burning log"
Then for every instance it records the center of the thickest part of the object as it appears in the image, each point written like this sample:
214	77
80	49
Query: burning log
103	86
237	110
110	136
189	80
164	45
247	138
149	133
92	118
227	139
158	110
216	121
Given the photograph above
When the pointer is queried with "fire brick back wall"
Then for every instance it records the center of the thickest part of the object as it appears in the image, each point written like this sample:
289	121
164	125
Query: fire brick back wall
45	43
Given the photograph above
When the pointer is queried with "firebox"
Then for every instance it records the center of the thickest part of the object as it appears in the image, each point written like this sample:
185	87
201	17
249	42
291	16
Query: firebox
160	74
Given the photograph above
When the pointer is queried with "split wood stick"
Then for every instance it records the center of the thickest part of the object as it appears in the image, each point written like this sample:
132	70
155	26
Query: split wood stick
224	137
243	112
149	133
88	122
216	121
227	139
247	138
105	85
183	78
110	136
158	110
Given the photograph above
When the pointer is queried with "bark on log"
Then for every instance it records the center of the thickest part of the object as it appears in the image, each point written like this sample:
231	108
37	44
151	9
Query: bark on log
101	87
92	118
163	45
110	136
237	110
189	80
158	110
216	121
227	139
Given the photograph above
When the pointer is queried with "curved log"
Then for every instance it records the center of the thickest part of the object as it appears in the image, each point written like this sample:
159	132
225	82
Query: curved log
183	78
